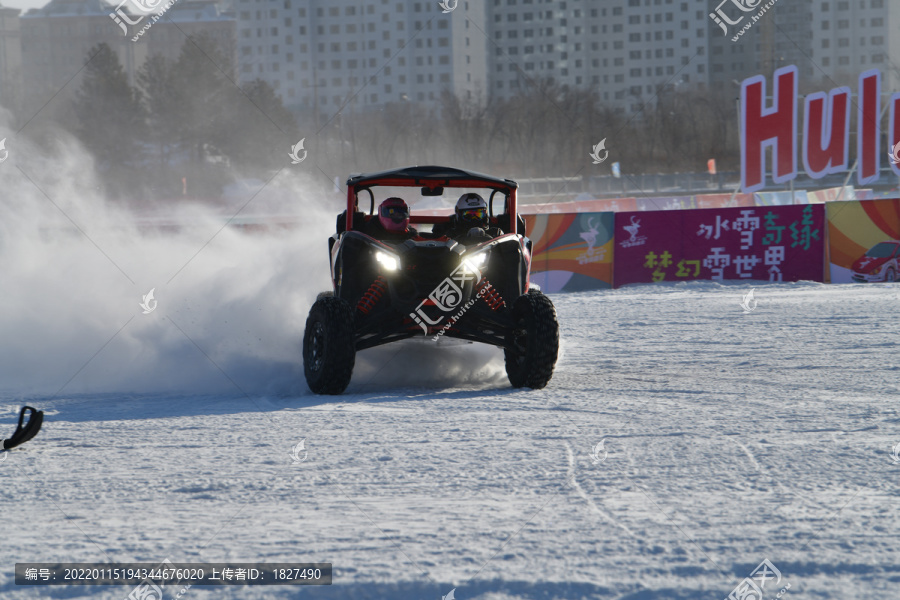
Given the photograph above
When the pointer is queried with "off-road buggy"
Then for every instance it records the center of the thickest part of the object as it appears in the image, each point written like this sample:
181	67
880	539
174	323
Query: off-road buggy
387	290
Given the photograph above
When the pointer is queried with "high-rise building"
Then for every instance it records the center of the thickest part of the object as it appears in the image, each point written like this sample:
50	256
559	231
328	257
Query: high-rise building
10	58
191	17
852	36
325	54
831	43
57	38
780	36
625	50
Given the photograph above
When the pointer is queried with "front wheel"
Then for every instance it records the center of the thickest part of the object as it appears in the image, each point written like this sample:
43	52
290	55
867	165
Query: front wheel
535	341
329	352
890	276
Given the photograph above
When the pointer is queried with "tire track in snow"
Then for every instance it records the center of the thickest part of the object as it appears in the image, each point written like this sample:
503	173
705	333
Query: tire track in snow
749	455
570	475
777	482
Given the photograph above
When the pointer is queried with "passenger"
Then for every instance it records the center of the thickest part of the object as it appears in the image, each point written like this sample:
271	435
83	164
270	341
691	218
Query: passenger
392	224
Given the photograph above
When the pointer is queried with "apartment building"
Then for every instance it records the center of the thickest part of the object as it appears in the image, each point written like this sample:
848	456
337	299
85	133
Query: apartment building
57	38
192	17
852	36
831	42
781	36
325	54
10	58
626	50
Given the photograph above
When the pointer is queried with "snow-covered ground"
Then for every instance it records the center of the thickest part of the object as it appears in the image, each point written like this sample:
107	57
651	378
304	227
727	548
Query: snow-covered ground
728	438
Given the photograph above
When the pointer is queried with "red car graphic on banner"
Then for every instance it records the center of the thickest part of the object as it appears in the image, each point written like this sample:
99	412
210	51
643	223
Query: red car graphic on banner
880	263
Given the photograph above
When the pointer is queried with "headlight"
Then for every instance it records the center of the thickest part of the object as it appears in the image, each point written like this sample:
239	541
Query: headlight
876	270
387	261
476	260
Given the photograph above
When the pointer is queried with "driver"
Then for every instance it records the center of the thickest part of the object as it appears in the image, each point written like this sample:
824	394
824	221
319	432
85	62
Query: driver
392	223
472	225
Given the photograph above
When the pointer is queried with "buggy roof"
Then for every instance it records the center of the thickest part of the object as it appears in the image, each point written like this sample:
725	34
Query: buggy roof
430	176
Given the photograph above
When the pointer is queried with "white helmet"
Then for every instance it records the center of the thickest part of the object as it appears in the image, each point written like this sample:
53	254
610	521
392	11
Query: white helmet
471	209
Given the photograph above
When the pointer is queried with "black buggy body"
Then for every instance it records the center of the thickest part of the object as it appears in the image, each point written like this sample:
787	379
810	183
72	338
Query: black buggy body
429	283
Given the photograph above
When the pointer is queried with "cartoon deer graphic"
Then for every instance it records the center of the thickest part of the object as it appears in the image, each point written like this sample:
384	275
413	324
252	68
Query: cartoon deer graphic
633	228
590	236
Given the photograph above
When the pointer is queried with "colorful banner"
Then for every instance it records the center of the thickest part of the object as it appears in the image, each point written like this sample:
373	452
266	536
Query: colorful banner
862	241
779	243
571	252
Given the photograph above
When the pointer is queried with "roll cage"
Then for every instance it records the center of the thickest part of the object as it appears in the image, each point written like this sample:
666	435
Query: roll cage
432	180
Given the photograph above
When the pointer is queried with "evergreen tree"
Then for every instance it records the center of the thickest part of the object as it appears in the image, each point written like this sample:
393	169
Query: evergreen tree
202	92
156	79
262	129
110	118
